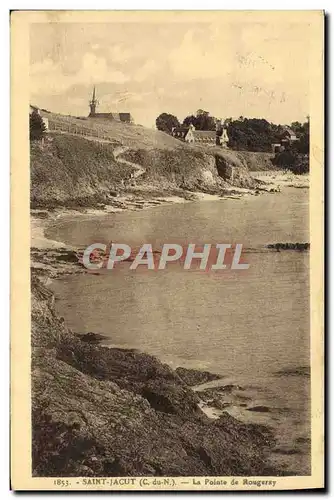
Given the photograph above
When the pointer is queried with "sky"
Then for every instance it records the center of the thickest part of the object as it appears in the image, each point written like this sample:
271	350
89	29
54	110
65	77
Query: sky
229	69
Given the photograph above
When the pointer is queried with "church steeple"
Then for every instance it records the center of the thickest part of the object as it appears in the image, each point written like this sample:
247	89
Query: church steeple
93	103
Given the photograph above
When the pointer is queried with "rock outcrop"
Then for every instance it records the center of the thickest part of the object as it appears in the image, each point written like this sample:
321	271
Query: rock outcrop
112	412
72	171
233	168
196	377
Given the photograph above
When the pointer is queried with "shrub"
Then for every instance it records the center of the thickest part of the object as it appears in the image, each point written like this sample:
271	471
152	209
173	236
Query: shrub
292	160
36	126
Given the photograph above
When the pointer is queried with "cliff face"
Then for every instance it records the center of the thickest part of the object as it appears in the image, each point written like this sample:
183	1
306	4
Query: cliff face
69	170
233	168
184	167
256	161
99	412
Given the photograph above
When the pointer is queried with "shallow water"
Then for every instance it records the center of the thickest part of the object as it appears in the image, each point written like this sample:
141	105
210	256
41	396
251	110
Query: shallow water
245	325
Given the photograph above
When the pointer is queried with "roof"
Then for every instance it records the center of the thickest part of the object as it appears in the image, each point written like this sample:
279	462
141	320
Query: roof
204	135
180	129
123	117
103	115
289	130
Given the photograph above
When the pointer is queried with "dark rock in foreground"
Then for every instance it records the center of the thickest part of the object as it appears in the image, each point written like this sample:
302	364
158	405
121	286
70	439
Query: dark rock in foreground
113	412
193	377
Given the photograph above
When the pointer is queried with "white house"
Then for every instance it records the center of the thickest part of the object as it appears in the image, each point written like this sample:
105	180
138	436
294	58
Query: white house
224	138
194	136
207	137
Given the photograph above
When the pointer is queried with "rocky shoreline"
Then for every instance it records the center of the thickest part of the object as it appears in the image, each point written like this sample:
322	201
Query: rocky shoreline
99	411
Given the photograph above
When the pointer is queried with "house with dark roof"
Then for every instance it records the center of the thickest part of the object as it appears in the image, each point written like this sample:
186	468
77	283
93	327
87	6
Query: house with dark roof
217	137
180	132
287	138
288	135
119	117
208	137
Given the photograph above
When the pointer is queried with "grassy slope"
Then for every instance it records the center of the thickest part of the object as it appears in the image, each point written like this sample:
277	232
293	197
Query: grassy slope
73	170
129	135
184	167
256	161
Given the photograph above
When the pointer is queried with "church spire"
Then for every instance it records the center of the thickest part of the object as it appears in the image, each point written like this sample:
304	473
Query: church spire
93	103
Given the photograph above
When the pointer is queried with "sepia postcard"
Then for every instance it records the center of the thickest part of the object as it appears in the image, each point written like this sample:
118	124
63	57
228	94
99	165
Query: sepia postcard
167	208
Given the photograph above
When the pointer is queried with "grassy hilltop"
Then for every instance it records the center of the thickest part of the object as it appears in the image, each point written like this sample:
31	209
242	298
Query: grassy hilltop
86	161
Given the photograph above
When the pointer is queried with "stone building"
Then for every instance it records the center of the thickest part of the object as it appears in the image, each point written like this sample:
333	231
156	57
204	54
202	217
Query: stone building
216	137
207	137
119	117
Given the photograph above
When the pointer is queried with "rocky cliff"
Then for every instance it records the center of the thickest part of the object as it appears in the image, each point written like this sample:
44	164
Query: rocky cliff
71	170
112	412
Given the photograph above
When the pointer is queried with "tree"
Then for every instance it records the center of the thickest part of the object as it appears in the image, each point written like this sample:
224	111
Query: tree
252	134
297	127
202	120
304	142
205	122
191	119
296	155
166	122
302	131
36	126
200	112
304	137
292	160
